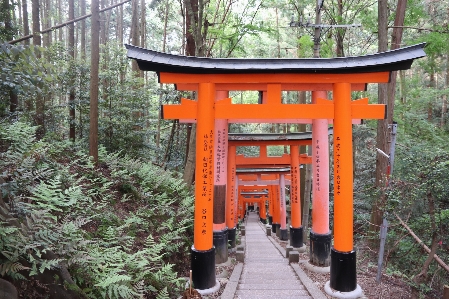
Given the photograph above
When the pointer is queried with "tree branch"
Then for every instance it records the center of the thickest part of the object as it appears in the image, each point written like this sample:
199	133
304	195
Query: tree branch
436	257
419	28
66	23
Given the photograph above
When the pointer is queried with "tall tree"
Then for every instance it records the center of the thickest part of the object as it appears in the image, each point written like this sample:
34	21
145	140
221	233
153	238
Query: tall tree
82	4
135	36
26	26
191	19
386	95
94	70
382	128
40	101
72	66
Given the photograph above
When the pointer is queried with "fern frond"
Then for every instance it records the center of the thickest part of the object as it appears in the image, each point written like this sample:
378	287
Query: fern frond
9	267
113	280
163	294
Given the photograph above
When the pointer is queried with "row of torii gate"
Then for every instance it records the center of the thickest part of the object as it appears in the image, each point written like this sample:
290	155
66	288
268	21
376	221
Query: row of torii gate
216	188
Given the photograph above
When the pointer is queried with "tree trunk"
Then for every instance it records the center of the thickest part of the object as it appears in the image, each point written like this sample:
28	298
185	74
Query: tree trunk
47	38
120	25
143	27
191	18
432	85
72	81
40	103
60	31
135	36
83	29
382	132
444	105
94	69
396	40
26	26
189	170
341	31
20	21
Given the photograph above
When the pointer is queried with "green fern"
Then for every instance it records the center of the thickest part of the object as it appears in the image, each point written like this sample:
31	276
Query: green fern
9	267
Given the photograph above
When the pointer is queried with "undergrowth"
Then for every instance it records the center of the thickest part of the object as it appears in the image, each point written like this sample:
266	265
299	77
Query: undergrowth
118	227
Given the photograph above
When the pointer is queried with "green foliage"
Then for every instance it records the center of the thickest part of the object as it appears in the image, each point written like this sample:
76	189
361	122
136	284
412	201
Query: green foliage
70	211
22	74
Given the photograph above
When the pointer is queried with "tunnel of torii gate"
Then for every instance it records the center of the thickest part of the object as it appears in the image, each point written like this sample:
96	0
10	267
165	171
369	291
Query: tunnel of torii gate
213	78
264	164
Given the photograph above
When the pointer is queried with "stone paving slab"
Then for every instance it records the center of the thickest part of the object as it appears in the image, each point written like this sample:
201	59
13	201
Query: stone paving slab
278	294
266	273
264	286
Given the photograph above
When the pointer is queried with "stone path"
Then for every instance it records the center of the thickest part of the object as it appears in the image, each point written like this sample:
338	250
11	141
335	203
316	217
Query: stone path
266	273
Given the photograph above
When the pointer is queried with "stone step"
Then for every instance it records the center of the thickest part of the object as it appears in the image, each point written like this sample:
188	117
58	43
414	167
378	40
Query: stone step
278	294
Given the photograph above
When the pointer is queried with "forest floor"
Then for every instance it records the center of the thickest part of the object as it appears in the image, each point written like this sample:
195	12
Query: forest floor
391	286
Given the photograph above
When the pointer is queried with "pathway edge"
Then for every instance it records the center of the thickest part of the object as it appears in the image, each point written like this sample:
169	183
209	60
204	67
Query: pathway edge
313	290
231	285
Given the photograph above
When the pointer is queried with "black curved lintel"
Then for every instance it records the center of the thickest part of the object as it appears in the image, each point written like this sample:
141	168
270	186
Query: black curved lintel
400	59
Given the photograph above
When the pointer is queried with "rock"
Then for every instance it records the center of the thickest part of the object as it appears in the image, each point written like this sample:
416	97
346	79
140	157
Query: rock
7	290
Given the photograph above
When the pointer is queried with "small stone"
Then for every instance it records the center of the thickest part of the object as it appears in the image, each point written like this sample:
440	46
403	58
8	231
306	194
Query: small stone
240	256
293	256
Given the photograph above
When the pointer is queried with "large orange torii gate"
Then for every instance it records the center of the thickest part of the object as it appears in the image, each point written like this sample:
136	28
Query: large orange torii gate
338	75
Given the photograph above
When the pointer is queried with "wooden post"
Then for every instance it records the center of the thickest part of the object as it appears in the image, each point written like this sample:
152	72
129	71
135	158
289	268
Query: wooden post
296	229
220	231
283	208
231	211
203	252
320	236
295	201
343	274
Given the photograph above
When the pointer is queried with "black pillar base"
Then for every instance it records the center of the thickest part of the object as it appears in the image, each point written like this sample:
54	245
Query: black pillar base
202	264
284	234
343	276
274	227
221	246
231	237
264	221
320	249
296	237
270	220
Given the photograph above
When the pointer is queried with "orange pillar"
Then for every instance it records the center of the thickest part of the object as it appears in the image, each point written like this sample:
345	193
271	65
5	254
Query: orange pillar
231	212
296	229
343	274
236	199
320	236
203	251
220	164
283	208
270	204
263	210
276	210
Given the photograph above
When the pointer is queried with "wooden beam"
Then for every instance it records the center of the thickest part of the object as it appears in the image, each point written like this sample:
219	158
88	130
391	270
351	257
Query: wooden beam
263	86
275	78
224	109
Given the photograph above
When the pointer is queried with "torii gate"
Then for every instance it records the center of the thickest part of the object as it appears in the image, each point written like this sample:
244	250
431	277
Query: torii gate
293	160
274	75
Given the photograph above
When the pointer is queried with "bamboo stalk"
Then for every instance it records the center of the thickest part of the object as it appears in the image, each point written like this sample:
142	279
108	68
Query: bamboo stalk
65	23
436	257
